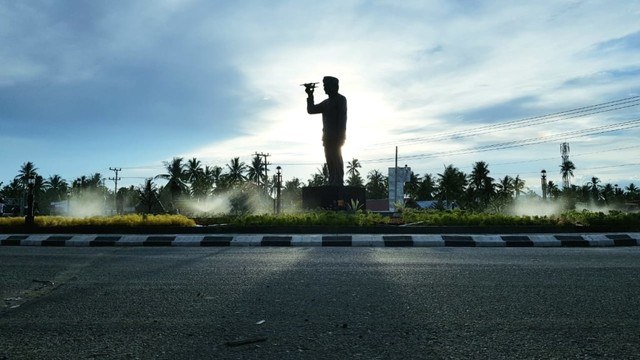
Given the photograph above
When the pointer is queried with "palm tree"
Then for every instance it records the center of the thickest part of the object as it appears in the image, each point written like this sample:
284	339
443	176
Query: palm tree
56	186
355	180
608	193
566	169
451	185
176	177
79	185
13	190
480	183
292	185
27	171
377	186
354	174
255	172
594	188
632	192
553	190
518	185
148	197
216	178
292	192
618	194
353	166
236	169
193	169
95	181
411	187
321	177
505	187
426	188
203	183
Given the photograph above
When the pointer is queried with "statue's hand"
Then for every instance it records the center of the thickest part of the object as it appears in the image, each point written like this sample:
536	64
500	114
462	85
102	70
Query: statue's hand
309	90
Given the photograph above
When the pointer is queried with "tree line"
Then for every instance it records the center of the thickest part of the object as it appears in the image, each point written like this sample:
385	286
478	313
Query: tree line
190	180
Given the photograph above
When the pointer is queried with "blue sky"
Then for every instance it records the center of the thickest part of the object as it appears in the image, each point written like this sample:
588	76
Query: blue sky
89	85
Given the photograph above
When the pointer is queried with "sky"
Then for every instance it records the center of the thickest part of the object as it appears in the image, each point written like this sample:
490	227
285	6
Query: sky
86	86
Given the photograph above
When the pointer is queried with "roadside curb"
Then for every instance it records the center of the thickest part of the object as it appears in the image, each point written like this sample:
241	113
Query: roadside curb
311	240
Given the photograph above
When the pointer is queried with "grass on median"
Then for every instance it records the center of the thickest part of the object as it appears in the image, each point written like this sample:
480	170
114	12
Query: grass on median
614	219
114	221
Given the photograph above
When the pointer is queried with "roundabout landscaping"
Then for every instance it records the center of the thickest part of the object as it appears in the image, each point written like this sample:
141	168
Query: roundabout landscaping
324	228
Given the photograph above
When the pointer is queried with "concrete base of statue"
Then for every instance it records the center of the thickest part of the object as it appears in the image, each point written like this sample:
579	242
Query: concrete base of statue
331	197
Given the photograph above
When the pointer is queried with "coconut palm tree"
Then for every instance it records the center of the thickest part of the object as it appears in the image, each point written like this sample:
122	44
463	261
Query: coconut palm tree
411	187
27	171
354	178
566	169
176	177
481	185
148	197
632	193
505	187
321	177
618	193
292	193
451	185
518	185
377	186
608	193
56	187
203	183
216	177
78	185
353	166
236	169
13	190
426	188
553	190
594	188
255	171
95	181
193	169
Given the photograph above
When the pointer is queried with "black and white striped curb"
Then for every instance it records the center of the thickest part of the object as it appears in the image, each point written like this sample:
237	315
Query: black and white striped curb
515	240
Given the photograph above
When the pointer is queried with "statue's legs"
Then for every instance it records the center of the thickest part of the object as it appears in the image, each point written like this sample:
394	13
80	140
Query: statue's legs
333	156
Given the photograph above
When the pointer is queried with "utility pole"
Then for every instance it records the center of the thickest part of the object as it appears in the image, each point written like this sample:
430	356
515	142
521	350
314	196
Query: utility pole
115	191
266	169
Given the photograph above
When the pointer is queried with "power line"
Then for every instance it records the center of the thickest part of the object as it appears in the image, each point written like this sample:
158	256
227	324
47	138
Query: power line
574	155
525	142
526	122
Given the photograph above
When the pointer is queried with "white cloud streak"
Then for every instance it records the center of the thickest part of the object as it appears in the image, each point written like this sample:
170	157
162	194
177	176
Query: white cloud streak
408	69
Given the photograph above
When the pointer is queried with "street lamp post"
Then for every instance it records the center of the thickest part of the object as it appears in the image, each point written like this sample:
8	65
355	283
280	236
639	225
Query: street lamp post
278	186
29	217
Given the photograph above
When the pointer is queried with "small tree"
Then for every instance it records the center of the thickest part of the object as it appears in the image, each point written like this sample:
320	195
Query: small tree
377	187
148	196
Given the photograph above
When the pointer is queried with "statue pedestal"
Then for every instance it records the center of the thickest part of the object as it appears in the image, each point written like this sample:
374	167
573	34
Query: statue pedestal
331	197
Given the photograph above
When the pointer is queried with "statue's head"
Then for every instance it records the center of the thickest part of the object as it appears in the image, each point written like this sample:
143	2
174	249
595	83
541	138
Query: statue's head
331	85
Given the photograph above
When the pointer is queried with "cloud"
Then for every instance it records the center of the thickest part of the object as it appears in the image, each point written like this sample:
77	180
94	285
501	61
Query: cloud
141	82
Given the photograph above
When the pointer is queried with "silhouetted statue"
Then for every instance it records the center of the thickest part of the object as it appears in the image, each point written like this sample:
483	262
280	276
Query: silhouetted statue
334	125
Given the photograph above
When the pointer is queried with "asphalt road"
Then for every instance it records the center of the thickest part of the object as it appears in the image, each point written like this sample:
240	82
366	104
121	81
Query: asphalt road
319	303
